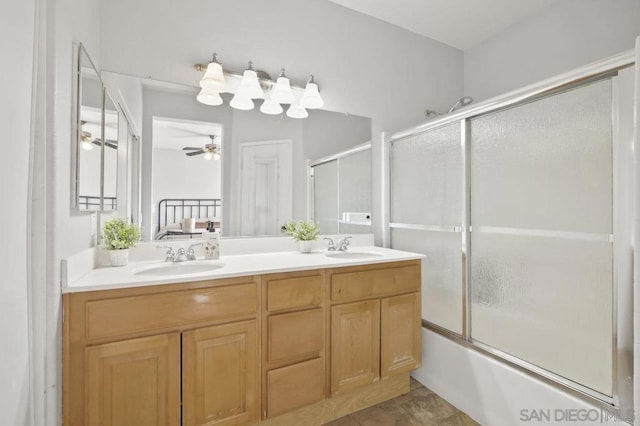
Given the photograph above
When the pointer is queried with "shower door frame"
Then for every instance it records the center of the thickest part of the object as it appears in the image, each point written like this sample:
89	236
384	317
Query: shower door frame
622	395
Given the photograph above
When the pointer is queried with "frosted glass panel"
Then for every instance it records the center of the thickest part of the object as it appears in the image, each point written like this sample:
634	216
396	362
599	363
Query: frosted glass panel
426	185
546	301
546	164
325	196
355	182
441	274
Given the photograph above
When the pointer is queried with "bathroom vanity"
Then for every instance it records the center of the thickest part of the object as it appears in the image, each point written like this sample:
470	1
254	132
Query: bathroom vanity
280	338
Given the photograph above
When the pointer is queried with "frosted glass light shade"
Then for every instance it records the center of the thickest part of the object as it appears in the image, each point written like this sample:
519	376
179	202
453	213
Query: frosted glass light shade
208	155
242	103
269	106
214	77
282	93
86	145
249	86
311	98
209	96
216	156
297	111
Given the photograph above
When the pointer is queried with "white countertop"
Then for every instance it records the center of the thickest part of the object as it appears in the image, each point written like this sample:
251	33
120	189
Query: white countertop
106	278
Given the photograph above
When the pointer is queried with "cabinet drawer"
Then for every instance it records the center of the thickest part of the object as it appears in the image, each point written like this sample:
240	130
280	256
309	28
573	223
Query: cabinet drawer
375	282
299	292
294	386
135	314
295	335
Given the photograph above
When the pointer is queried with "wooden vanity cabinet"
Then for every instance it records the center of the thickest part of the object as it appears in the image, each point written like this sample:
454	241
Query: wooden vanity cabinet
300	347
293	341
377	333
162	355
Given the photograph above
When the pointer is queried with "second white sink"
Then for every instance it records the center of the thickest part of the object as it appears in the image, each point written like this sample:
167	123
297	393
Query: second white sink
180	268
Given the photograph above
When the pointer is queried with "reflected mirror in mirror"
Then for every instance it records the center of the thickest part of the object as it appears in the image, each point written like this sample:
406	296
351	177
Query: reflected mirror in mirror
259	183
341	191
110	155
89	139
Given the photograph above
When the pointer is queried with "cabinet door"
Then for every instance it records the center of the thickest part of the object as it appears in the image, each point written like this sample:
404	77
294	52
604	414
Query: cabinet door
134	382
355	345
400	345
220	374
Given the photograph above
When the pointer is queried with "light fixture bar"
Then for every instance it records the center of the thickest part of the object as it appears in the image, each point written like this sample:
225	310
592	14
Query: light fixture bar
262	76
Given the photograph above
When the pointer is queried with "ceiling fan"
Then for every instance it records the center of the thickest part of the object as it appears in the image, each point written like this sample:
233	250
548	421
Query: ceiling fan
87	140
210	150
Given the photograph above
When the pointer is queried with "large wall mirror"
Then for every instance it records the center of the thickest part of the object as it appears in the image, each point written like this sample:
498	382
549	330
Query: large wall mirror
242	173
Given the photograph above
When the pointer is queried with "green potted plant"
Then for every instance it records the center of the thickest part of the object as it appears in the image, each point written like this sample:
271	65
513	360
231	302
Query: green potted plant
304	231
119	235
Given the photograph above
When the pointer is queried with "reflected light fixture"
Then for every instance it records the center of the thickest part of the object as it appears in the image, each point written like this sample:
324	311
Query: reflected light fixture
209	96
269	106
297	111
241	102
311	98
213	78
86	141
281	93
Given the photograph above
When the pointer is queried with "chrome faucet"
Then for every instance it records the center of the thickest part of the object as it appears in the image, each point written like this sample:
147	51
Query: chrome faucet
332	245
340	246
170	254
191	254
343	244
181	255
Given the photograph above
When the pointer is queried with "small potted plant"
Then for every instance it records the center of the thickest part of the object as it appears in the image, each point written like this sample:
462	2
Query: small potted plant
304	231
119	235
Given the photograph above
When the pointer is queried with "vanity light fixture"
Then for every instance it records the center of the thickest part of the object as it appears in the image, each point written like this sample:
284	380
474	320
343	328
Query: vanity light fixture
282	93
214	76
311	98
256	84
249	86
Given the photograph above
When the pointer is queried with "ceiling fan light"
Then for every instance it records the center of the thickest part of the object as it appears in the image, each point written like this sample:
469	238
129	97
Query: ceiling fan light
208	155
282	93
209	96
86	145
241	103
214	77
249	86
269	106
297	111
216	156
311	98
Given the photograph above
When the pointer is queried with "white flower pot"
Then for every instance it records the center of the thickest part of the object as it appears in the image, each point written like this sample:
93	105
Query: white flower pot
119	257
305	246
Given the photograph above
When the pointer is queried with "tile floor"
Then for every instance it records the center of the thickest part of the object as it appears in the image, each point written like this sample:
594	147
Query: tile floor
420	407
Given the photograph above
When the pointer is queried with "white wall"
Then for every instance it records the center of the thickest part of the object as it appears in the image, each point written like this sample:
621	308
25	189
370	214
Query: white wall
17	26
177	176
566	35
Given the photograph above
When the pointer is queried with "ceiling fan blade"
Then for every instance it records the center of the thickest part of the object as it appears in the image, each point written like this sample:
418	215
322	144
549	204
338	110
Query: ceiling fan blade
195	153
190	148
111	145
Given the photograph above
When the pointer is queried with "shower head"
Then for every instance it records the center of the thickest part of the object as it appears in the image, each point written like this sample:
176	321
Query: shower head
464	101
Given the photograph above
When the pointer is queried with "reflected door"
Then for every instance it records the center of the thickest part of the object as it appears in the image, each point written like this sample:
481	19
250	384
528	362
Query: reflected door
265	187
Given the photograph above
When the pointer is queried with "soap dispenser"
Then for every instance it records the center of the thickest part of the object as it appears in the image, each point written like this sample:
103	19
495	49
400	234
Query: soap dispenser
211	245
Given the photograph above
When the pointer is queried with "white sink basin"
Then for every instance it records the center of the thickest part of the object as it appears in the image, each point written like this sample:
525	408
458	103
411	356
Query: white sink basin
351	254
180	268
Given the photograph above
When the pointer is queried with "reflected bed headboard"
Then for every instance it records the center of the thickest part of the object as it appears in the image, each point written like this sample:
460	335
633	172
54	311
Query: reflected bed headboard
173	210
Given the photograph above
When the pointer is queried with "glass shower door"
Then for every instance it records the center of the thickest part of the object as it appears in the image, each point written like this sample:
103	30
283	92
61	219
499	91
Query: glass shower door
425	217
541	273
